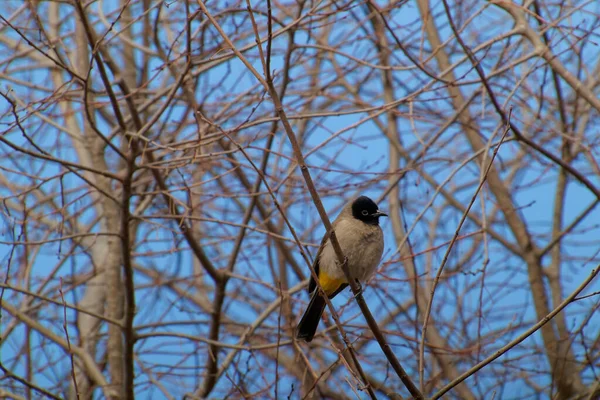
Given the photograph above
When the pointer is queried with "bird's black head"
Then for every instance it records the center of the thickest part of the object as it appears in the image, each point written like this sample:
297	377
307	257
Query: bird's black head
366	210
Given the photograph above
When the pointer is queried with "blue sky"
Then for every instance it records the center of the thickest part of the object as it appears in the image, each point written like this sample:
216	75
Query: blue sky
360	148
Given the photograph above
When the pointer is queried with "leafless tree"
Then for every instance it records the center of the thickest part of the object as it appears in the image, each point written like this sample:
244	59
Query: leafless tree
168	168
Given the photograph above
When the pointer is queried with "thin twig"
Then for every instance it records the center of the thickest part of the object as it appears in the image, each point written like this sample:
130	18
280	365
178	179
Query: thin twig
65	328
279	109
520	338
449	249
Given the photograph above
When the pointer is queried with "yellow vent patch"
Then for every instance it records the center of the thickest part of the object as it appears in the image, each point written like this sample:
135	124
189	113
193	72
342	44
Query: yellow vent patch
329	283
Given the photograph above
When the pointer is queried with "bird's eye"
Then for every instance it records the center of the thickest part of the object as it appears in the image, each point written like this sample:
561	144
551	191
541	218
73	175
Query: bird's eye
365	212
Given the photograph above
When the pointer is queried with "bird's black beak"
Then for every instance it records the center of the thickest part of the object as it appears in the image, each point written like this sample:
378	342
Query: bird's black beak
379	214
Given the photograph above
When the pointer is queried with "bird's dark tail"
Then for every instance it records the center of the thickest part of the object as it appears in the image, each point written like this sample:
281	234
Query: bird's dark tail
310	320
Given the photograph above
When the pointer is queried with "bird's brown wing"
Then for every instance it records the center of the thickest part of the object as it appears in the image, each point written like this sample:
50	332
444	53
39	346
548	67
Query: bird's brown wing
312	285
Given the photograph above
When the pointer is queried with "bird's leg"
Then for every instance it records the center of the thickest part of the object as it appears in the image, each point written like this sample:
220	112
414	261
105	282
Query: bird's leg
359	290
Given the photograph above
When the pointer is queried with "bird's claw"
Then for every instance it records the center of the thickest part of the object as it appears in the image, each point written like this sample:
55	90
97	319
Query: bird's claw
359	290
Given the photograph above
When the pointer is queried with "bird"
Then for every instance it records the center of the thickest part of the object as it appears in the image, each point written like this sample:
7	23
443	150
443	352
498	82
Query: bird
361	239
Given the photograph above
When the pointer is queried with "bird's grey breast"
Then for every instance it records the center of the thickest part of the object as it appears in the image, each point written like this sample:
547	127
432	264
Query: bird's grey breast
361	243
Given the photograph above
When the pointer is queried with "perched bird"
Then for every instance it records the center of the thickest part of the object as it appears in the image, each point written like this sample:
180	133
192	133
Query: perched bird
361	239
